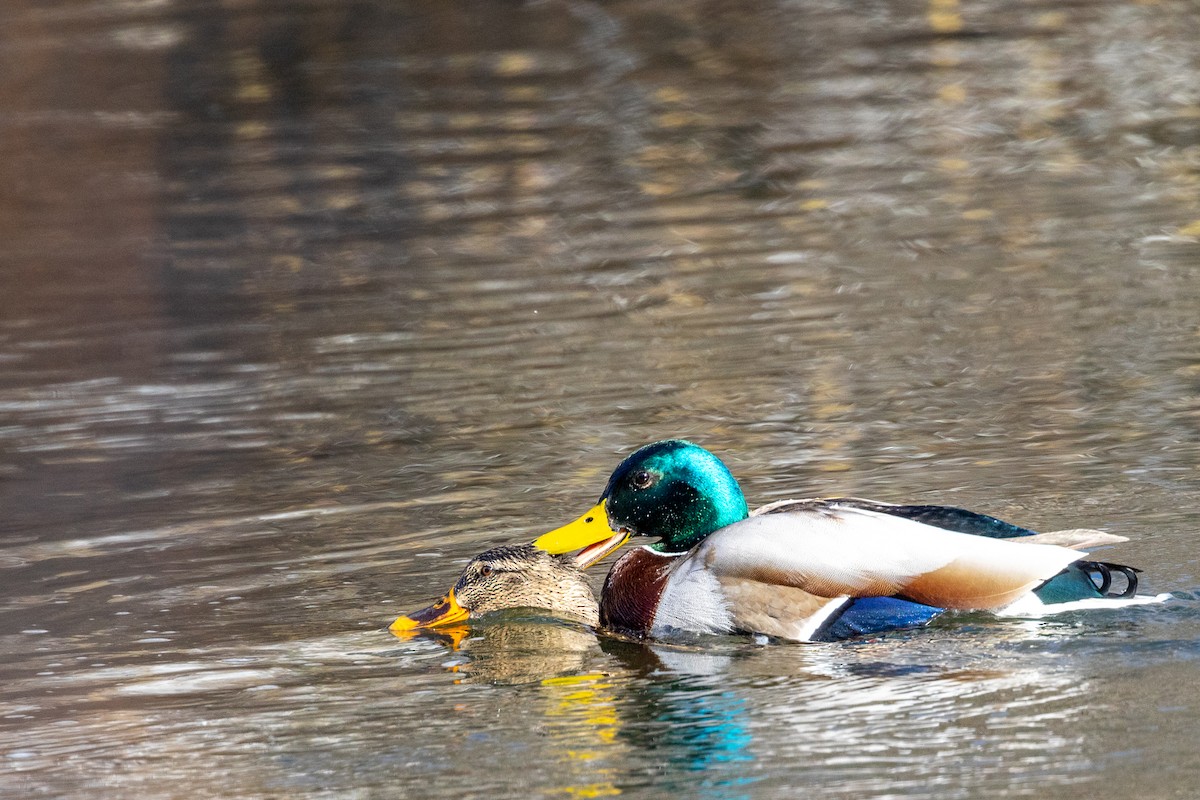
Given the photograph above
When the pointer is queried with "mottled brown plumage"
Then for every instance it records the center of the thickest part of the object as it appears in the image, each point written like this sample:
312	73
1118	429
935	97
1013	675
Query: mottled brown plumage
523	576
520	576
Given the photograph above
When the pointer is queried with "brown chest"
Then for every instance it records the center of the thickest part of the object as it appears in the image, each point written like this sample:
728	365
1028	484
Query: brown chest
632	590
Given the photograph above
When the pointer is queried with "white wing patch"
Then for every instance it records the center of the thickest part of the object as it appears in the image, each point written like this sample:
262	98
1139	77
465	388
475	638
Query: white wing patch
834	551
1030	605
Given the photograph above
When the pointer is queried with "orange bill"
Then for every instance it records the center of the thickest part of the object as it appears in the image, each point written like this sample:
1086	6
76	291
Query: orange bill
446	611
452	635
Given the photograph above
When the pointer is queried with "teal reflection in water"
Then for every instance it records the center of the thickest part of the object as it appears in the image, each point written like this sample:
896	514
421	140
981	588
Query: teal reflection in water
680	714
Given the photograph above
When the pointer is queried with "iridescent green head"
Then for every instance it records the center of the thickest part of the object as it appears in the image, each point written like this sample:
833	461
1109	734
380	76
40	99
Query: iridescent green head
673	490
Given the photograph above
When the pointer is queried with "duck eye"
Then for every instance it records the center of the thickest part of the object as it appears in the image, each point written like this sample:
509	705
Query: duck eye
485	571
642	479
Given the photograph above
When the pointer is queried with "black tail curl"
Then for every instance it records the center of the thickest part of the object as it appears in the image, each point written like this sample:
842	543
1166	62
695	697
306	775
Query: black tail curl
1100	573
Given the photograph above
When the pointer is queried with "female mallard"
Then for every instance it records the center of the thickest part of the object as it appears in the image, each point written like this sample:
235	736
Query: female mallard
506	577
812	569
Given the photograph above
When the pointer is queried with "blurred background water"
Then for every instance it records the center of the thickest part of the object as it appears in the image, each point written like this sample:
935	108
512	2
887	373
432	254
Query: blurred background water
303	304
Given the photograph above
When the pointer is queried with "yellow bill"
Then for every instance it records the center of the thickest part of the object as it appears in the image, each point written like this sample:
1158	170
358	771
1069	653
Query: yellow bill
591	532
446	611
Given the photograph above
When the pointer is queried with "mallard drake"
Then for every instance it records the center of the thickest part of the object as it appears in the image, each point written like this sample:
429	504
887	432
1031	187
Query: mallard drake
520	576
813	569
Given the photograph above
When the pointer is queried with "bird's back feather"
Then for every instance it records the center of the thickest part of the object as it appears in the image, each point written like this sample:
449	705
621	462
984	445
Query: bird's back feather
833	550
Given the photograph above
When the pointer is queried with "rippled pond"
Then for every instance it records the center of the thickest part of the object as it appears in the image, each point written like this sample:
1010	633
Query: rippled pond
303	305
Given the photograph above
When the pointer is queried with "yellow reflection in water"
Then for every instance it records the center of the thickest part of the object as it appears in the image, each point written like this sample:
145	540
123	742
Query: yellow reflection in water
944	16
576	707
452	635
583	716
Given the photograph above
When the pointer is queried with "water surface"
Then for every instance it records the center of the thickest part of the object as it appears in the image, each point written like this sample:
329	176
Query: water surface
301	307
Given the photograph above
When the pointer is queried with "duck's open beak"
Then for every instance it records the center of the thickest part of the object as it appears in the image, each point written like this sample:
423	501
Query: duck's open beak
592	532
446	611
